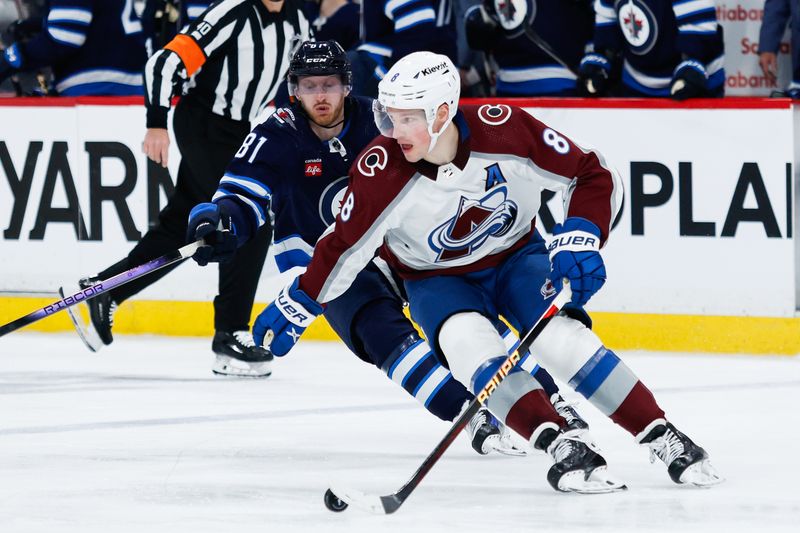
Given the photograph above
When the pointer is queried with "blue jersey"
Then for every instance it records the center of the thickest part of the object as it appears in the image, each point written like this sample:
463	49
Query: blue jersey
285	174
524	69
341	26
391	29
93	47
656	35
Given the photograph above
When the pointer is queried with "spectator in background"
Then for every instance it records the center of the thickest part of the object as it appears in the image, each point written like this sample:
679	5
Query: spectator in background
335	20
163	19
504	29
94	47
667	47
777	13
393	29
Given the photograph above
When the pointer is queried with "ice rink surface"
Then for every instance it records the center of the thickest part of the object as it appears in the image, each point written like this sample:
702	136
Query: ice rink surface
142	438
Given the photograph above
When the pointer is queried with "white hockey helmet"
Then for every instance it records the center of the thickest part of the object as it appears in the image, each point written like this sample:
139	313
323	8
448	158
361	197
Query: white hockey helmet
420	80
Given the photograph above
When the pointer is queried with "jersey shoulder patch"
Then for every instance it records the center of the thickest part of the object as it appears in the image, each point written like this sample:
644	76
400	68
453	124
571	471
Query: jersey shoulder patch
382	157
283	117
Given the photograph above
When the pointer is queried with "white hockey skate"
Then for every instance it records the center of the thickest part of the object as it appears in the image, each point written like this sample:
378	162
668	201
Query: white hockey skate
578	465
687	463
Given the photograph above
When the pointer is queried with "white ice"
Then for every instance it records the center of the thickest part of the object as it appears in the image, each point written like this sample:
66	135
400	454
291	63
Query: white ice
141	437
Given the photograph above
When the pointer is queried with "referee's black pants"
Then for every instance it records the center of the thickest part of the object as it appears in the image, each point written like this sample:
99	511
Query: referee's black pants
207	143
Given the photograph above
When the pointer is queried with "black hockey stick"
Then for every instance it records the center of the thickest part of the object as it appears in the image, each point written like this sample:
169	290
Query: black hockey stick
104	286
536	39
392	502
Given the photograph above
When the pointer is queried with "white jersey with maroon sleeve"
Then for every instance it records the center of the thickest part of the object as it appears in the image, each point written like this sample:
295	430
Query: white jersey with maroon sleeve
464	216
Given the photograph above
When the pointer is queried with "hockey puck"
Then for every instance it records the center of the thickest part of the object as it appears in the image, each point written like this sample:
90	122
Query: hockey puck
333	503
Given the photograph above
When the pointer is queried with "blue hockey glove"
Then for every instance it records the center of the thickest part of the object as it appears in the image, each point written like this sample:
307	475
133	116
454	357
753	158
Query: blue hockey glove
593	74
575	255
208	221
287	318
10	62
688	81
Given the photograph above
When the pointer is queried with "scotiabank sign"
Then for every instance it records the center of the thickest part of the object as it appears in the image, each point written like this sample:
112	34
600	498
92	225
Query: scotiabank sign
741	22
706	226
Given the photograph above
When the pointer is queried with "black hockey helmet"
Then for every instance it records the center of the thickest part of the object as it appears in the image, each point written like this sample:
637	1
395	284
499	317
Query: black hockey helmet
320	58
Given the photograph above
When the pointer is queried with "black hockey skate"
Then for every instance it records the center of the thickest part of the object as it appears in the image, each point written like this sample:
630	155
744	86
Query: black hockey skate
238	355
578	466
568	412
489	435
686	461
101	311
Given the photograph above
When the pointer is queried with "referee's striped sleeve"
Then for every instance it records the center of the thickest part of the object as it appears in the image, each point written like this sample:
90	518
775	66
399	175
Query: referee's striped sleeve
185	54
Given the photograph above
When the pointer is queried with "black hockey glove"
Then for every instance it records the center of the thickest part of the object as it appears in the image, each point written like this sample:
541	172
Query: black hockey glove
481	30
688	81
208	221
593	74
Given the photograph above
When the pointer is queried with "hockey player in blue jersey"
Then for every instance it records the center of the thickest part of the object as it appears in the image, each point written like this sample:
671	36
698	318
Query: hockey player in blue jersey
669	48
291	172
94	47
501	28
391	30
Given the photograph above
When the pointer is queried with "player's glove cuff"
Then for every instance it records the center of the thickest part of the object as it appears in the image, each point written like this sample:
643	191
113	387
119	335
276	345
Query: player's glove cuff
576	234
689	80
298	307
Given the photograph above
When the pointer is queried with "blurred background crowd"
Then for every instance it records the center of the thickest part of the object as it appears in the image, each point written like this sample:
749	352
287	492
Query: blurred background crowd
645	48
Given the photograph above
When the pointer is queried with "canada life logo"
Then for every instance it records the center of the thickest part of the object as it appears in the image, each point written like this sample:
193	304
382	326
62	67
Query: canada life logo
313	168
474	222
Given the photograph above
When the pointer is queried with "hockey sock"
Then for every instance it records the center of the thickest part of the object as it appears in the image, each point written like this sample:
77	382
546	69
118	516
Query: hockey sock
473	347
574	354
407	359
415	367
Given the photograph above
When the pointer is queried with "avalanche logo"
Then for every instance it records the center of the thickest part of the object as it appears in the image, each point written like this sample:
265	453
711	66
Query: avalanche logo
638	25
476	220
330	201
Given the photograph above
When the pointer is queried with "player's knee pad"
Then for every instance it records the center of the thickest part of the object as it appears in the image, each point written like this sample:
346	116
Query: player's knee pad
565	346
469	341
414	366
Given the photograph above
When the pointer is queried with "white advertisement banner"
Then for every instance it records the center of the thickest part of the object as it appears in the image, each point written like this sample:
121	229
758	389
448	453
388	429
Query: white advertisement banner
706	226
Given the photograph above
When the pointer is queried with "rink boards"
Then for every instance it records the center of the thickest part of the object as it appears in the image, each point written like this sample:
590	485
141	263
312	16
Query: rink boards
702	258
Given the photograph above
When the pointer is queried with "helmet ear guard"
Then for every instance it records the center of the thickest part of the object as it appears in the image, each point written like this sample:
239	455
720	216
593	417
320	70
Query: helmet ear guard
422	80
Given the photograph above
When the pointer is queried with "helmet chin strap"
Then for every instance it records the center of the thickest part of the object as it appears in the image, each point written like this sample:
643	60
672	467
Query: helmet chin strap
435	136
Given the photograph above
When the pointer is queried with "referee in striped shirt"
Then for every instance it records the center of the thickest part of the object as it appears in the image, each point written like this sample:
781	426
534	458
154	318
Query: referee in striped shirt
234	57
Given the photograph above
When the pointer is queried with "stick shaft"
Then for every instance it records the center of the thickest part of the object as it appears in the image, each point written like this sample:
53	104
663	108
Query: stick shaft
392	503
104	286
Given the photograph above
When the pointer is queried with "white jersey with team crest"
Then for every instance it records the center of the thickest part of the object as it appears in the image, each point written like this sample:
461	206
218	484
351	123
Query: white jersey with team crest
464	216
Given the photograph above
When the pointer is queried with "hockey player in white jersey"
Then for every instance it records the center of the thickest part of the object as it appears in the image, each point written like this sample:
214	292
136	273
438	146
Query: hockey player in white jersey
449	196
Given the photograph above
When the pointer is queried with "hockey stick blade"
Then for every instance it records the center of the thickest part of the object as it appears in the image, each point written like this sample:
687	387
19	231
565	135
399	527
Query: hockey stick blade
390	503
89	337
367	502
104	286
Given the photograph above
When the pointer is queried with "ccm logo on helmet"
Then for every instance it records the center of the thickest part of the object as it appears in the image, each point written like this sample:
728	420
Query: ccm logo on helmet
375	157
494	115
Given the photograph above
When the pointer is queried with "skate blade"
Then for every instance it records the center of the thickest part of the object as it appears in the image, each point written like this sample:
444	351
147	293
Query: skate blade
230	367
85	331
701	474
503	446
598	482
